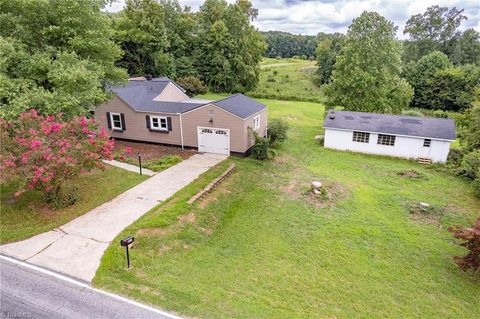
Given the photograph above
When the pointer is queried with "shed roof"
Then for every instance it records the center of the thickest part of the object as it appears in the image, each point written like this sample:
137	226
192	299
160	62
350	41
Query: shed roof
139	94
430	127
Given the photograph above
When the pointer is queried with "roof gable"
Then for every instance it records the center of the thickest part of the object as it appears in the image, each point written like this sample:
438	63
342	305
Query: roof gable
436	128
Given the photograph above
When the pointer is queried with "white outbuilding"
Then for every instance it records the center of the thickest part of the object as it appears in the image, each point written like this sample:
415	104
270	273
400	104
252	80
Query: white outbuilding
422	138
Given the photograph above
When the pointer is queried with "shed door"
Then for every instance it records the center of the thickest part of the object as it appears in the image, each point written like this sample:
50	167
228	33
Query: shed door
214	140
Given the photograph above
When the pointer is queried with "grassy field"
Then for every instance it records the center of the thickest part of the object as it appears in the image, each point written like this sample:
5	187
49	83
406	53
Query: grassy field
287	79
261	247
29	215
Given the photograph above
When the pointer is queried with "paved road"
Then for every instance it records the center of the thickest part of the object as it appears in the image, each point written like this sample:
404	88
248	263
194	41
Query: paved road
28	293
76	248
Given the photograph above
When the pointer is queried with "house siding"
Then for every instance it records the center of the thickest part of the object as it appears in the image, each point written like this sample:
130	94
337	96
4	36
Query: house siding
171	93
135	122
262	130
221	119
406	147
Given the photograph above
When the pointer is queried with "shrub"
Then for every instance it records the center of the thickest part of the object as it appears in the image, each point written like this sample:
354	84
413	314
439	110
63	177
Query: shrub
275	72
471	241
260	149
43	152
277	131
192	85
470	165
271	79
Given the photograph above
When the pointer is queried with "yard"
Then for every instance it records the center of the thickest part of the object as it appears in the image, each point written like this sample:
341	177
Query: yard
288	79
28	215
260	247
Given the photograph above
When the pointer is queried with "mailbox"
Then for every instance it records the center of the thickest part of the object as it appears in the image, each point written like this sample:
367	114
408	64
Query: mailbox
126	241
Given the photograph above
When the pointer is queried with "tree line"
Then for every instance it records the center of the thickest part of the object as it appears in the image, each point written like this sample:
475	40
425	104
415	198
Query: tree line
287	45
60	56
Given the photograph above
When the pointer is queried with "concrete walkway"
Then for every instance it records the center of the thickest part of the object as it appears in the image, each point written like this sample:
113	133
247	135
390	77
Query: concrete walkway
130	167
76	248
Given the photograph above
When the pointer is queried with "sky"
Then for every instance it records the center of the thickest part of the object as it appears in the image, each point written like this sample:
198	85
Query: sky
310	17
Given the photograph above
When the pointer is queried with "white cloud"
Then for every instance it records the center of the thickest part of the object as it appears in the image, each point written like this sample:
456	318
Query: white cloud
311	17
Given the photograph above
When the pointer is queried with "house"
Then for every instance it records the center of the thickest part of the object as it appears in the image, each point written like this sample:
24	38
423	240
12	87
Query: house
423	138
158	111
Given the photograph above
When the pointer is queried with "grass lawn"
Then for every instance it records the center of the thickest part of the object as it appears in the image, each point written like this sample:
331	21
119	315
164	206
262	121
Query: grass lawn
258	247
288	79
29	215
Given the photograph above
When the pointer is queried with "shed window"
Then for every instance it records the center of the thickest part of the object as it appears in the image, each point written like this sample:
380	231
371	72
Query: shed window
388	140
158	123
427	142
116	121
361	137
256	122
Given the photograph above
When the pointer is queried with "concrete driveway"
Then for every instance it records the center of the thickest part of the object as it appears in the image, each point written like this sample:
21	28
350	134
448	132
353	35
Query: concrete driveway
77	247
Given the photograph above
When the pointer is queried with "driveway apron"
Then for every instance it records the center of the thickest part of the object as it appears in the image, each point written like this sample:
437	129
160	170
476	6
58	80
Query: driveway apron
76	248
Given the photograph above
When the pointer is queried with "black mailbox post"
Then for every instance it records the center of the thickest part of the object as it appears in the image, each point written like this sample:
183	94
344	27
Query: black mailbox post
140	162
125	243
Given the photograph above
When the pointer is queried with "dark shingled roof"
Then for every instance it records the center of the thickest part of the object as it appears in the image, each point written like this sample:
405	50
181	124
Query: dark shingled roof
139	95
436	128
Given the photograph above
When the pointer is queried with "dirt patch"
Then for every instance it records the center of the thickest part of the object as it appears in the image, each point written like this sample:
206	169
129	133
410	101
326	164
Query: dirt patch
150	151
189	218
411	173
429	213
328	195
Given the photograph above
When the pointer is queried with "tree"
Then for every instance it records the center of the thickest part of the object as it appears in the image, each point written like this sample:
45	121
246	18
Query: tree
453	89
286	45
326	52
434	30
56	56
277	131
43	152
467	49
471	241
192	85
230	48
367	72
420	75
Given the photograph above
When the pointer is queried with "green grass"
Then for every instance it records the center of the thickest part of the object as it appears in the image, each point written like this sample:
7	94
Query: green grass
156	165
287	79
29	215
260	249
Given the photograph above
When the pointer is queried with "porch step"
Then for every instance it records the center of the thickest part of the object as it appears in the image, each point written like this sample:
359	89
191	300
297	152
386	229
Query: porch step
424	160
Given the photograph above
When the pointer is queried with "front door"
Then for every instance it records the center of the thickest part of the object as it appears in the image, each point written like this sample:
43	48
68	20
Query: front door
214	140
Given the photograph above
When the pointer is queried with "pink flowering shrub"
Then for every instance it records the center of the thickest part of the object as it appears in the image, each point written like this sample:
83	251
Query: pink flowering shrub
42	152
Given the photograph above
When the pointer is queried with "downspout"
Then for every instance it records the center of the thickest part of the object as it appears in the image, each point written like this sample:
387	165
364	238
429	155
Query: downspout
181	129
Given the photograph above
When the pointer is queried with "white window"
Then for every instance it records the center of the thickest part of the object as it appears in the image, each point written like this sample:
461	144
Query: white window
388	140
116	120
158	123
256	122
427	142
361	137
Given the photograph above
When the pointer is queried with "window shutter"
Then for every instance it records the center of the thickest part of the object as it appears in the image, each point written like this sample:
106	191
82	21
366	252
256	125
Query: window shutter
147	118
169	123
122	118
109	121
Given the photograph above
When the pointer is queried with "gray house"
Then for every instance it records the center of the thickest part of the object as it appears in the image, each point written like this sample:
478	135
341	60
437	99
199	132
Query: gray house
159	111
425	138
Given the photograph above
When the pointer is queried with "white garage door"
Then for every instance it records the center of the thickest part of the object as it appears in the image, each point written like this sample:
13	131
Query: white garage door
214	140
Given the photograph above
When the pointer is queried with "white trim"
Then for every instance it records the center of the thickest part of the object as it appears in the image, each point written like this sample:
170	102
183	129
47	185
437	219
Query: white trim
256	126
411	136
87	286
113	122
159	128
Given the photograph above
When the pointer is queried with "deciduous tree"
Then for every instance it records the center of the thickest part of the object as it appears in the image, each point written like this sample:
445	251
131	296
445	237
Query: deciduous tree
43	152
367	72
